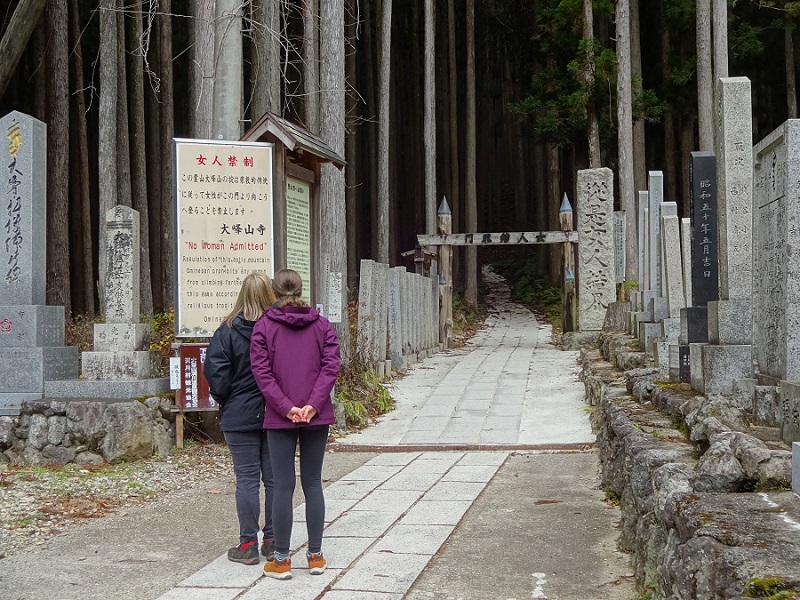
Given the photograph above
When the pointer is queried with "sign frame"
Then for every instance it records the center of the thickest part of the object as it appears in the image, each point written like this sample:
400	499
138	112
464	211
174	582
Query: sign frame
229	268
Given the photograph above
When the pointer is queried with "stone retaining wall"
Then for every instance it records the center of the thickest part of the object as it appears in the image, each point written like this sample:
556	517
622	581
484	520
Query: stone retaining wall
705	509
51	432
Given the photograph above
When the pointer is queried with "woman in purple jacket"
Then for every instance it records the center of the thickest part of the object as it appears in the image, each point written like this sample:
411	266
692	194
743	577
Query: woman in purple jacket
295	358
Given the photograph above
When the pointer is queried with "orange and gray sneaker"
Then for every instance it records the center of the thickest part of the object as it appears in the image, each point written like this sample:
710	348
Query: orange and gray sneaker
278	569
316	563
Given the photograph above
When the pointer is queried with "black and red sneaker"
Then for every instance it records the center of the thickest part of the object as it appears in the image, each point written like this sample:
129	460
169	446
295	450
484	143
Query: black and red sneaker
246	553
268	549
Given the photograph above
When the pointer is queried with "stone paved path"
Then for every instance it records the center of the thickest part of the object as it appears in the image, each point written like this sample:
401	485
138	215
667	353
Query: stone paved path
507	390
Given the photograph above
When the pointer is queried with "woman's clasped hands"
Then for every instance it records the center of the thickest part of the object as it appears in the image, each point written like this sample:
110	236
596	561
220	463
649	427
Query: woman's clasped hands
301	415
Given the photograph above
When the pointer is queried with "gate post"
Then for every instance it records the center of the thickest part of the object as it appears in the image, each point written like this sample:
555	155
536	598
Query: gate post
568	303
444	226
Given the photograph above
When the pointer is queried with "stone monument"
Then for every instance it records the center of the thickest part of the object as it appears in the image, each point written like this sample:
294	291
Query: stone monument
121	344
728	355
122	364
704	268
32	347
776	290
596	287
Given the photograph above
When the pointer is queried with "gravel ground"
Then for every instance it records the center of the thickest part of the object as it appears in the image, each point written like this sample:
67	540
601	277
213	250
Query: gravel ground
37	502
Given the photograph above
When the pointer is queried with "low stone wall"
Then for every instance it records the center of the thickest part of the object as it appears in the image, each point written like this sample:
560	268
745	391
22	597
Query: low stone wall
58	432
706	511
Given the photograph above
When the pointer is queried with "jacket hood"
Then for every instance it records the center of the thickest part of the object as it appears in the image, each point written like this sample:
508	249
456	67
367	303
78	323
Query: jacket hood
294	316
243	327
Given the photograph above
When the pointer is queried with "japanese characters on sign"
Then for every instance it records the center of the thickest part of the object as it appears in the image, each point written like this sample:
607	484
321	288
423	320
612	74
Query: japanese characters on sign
224	195
705	266
298	231
12	228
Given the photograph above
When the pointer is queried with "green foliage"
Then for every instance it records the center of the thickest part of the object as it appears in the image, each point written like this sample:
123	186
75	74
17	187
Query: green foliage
359	390
162	335
361	393
531	288
772	588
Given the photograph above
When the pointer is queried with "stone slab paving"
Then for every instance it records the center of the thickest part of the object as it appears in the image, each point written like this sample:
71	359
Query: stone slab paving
396	504
386	519
508	387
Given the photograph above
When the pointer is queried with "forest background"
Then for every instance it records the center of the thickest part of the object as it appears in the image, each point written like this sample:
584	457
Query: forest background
494	104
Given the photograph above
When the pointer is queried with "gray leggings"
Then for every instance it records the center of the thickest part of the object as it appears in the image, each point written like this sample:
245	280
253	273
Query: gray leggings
282	445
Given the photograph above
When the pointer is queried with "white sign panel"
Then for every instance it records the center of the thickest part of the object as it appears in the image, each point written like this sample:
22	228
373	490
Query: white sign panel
224	195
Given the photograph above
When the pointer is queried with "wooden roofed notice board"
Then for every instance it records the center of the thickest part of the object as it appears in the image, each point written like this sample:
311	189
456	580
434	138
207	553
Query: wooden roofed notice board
224	193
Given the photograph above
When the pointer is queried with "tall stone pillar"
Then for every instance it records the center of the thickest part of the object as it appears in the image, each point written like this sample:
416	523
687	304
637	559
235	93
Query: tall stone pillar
728	355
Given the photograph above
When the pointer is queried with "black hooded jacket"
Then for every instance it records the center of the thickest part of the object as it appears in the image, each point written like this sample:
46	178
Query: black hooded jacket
230	378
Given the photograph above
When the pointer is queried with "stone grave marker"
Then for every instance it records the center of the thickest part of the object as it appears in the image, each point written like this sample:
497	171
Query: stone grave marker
655	189
32	347
619	246
728	355
596	287
121	343
776	243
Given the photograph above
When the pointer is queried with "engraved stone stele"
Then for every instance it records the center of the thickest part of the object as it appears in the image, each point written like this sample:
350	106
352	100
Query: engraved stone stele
641	237
729	355
672	264
776	253
596	287
619	246
655	193
365	341
395	319
122	343
32	347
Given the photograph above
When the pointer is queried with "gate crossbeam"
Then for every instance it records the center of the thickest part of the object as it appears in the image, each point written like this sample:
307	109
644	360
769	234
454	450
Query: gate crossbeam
508	238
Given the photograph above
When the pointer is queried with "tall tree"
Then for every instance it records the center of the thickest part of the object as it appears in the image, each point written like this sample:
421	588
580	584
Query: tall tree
201	71
471	199
593	122
430	117
122	137
227	108
15	37
311	63
384	78
720	39
167	126
705	86
625	135
791	74
107	135
58	271
138	150
637	83
266	52
351	146
332	128
82	254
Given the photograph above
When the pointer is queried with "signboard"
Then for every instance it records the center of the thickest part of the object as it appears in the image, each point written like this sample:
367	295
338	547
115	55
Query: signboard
193	393
298	231
224	193
335	297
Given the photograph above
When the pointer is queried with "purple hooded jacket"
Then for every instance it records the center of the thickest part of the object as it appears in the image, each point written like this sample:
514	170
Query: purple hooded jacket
294	354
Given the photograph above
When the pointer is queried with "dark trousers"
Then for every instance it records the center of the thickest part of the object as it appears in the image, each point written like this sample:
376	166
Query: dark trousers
282	445
251	465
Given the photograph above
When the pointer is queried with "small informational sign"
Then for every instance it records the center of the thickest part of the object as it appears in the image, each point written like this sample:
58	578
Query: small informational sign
174	373
335	297
298	231
224	194
193	393
321	309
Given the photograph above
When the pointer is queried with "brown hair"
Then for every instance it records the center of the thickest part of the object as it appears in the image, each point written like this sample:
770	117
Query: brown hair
288	288
255	297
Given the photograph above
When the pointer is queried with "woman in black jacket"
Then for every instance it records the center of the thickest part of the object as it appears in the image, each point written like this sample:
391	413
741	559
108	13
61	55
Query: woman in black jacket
241	415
